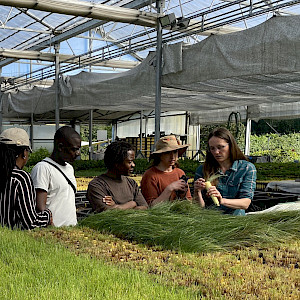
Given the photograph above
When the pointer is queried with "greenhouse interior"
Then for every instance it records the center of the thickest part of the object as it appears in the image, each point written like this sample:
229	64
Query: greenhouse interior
147	67
221	220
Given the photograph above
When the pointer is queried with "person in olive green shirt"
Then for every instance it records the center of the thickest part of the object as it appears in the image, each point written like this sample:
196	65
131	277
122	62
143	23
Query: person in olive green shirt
114	189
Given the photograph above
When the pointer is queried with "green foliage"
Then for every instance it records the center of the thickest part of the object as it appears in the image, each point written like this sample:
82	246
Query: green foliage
37	269
282	126
265	171
277	171
282	148
37	155
186	227
189	166
236	128
88	164
84	131
141	165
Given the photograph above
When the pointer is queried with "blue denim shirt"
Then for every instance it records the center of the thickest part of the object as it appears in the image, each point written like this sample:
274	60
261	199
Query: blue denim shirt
237	182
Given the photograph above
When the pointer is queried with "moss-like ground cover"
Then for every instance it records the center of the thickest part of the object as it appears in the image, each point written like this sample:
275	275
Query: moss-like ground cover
257	272
213	256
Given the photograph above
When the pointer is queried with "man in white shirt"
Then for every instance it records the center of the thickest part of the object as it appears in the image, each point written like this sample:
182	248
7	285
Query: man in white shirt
54	178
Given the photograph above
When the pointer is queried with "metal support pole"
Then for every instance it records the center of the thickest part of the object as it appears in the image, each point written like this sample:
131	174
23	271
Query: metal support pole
31	130
159	7
91	134
141	131
247	135
1	118
56	48
186	129
114	130
91	111
198	140
146	125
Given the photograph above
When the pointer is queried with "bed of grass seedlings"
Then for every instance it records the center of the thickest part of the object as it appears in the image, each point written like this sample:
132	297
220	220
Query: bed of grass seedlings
184	226
36	269
257	272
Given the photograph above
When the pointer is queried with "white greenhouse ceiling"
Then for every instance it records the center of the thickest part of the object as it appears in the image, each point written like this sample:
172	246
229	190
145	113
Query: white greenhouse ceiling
116	36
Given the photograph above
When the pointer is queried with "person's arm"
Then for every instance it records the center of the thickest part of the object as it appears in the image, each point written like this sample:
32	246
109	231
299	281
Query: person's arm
28	215
152	193
96	193
41	199
199	186
141	207
238	203
41	178
179	185
245	191
139	199
108	200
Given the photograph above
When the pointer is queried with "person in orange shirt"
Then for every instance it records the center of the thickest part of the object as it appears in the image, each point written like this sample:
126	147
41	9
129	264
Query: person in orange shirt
164	181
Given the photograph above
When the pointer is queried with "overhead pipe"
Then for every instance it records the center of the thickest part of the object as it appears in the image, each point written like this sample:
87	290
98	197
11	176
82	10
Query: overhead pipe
88	10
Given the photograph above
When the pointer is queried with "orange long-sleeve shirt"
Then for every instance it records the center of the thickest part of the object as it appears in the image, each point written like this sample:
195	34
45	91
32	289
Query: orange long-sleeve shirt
155	181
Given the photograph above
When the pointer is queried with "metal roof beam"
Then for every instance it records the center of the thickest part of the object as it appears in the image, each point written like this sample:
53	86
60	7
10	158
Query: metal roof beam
268	4
136	4
43	56
24	29
194	25
36	18
88	10
119	45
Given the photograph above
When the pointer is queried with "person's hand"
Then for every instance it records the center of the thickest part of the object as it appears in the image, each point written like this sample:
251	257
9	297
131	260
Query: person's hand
213	191
179	185
199	184
108	200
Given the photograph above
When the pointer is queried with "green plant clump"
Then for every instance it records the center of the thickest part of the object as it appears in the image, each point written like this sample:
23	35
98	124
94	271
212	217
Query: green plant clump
281	148
37	155
186	227
277	171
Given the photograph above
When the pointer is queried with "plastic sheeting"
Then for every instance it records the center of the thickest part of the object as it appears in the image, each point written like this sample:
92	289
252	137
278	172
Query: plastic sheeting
257	66
255	112
290	206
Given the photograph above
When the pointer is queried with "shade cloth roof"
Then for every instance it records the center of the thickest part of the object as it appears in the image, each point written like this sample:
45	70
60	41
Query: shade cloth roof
256	66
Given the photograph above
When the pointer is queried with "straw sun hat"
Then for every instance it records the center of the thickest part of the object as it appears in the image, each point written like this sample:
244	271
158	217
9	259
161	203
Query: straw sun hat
169	143
15	136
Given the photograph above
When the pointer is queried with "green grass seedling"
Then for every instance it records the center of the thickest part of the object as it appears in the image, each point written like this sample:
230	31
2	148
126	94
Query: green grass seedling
35	269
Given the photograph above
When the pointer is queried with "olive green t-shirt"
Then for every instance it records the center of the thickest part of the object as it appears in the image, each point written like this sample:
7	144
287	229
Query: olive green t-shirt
122	191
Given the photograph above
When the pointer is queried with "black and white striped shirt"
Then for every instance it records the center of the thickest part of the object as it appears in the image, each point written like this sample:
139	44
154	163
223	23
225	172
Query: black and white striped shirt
17	203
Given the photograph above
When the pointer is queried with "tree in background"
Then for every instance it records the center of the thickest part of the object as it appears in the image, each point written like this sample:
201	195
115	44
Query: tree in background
281	126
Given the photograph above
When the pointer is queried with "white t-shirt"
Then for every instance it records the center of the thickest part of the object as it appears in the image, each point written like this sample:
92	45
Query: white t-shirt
60	195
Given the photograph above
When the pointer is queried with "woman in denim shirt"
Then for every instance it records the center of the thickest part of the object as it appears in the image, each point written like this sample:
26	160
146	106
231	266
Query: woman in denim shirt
235	188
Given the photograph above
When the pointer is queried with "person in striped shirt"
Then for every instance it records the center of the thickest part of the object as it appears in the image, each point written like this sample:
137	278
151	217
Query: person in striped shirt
17	193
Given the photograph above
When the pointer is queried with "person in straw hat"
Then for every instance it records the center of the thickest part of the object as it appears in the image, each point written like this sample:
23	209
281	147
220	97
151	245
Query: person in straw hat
17	193
164	180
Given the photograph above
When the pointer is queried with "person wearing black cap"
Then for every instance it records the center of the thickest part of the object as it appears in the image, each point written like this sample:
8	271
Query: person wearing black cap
17	193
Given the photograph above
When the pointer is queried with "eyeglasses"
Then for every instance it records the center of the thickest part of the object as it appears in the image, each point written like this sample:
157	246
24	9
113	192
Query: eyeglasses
219	147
